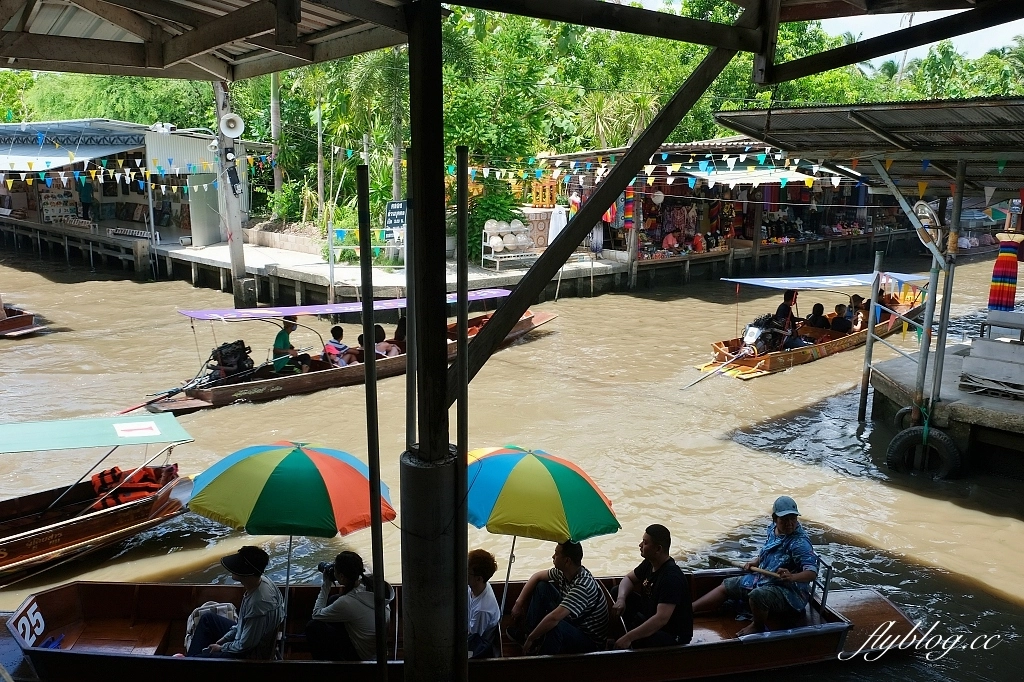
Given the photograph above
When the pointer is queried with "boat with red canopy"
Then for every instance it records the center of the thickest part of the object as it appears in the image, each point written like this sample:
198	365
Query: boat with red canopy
263	382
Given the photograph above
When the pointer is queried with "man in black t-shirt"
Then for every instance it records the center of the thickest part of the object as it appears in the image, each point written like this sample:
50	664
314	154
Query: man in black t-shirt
654	598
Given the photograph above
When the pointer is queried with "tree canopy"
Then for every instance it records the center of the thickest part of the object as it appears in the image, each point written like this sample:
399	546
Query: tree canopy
513	87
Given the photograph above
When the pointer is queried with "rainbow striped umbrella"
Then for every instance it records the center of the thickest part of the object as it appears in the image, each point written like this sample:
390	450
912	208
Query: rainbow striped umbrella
289	488
529	493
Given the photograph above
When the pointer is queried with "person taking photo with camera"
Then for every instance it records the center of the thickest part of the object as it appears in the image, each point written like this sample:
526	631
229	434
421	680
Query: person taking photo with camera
343	625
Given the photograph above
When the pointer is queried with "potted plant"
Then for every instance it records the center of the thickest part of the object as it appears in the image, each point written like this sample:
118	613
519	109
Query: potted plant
451	232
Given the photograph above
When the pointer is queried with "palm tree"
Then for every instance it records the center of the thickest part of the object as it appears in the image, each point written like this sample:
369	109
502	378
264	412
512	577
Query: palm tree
380	84
889	69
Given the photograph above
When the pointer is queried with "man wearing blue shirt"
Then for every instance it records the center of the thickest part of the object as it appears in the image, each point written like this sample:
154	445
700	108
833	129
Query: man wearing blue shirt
786	551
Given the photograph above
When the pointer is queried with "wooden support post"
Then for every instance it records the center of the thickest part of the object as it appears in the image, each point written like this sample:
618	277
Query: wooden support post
195	274
275	289
300	292
728	263
169	263
686	276
764	61
224	279
807	254
828	251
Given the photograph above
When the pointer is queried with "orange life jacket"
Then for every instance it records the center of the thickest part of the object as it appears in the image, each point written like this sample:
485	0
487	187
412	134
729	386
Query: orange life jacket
142	483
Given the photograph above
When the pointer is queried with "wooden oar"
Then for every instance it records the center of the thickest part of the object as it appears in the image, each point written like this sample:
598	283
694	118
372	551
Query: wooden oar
739	564
742	355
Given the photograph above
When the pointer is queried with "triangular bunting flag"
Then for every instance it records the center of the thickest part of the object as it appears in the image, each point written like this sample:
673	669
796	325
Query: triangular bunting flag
921	187
989	191
888	164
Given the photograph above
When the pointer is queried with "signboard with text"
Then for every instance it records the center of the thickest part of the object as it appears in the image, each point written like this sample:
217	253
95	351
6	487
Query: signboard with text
395	217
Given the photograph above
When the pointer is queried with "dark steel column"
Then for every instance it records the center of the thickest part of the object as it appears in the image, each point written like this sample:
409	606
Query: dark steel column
947	291
435	635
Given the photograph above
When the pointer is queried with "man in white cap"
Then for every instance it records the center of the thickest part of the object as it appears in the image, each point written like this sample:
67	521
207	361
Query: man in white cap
787	551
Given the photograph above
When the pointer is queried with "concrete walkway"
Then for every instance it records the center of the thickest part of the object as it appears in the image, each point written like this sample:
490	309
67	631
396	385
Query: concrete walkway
301	270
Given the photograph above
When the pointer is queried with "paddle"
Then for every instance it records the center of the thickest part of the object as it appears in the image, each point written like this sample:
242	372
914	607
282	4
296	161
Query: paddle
742	354
714	558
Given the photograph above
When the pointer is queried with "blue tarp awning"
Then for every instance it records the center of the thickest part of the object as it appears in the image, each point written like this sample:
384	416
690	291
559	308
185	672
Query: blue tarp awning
824	281
67	434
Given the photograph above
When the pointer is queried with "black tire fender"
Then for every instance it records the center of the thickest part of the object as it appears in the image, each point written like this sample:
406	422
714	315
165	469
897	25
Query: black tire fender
943	460
900	420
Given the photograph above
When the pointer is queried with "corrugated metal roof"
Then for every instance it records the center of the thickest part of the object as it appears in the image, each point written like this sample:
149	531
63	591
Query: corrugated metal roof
920	141
724	145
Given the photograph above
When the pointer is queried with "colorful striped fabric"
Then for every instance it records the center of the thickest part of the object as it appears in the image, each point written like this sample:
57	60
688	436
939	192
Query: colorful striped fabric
531	494
627	212
1003	292
288	489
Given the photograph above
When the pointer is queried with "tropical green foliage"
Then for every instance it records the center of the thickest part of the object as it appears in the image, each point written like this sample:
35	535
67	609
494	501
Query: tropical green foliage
496	202
514	87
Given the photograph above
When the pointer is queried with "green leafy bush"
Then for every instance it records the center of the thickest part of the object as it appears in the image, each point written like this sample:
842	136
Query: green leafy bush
350	256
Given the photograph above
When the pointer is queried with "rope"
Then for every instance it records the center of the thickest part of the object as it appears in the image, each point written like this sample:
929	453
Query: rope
195	336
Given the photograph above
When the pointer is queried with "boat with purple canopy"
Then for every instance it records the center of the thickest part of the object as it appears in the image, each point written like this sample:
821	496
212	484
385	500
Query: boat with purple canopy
248	382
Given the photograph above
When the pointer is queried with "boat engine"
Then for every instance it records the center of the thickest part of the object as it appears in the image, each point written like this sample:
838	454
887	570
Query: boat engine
763	335
229	359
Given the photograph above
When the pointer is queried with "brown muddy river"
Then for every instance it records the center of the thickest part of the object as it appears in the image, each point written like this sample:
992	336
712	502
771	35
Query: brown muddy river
600	385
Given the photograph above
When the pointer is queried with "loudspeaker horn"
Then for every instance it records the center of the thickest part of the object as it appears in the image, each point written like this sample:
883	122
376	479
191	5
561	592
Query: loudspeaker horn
232	125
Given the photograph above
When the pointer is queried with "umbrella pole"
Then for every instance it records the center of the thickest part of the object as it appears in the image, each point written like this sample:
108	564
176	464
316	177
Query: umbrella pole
287	584
372	435
508	573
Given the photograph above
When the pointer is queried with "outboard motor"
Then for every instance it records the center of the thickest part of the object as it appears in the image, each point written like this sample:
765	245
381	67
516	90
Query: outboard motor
763	335
229	359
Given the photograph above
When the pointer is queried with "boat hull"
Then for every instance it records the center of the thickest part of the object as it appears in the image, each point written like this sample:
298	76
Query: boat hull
18	323
275	387
135	628
778	361
33	539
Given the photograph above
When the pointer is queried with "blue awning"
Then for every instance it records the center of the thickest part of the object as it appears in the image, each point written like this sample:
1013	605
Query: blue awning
67	434
825	281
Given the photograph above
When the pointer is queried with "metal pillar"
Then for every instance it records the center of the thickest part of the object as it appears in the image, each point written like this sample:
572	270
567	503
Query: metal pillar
460	559
865	376
926	341
558	251
435	628
947	287
372	435
230	210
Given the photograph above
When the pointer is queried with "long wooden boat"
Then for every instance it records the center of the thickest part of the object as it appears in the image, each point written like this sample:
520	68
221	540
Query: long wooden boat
35	537
18	323
265	384
44	529
829	343
85	631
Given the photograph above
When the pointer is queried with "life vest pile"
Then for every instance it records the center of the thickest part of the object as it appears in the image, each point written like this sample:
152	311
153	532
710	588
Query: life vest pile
127	487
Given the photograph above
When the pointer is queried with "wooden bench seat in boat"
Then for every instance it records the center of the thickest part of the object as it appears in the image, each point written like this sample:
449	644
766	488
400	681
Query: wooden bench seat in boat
117	636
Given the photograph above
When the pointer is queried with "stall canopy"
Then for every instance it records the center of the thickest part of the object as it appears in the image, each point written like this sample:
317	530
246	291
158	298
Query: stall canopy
32	157
91	433
825	281
919	143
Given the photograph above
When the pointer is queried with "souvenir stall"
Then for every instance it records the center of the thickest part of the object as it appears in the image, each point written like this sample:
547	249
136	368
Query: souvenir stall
118	179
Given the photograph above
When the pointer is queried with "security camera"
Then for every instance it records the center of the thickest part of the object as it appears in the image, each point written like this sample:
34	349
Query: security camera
212	146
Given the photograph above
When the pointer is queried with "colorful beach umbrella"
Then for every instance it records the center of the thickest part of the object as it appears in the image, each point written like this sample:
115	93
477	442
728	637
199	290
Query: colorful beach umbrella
289	488
529	493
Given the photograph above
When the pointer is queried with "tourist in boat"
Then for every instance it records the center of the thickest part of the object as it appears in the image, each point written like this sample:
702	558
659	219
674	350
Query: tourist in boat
564	609
654	598
841	323
786	551
817	318
336	351
343	627
788	322
283	348
399	336
259	615
484	612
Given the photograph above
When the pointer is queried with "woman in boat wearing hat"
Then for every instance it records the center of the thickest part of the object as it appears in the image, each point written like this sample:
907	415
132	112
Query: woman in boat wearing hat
259	615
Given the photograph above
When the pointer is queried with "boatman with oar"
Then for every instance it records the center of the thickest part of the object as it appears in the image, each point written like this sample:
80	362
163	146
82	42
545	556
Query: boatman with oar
777	589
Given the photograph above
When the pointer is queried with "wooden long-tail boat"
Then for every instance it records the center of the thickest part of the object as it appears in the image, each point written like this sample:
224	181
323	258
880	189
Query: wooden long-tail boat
728	356
266	384
18	323
83	631
44	529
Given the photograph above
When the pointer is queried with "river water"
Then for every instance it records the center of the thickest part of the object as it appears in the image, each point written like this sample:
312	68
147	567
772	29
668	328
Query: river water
599	385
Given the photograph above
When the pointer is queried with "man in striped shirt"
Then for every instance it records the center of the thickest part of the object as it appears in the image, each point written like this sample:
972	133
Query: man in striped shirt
565	610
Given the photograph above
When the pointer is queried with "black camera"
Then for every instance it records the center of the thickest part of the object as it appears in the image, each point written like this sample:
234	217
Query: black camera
327	568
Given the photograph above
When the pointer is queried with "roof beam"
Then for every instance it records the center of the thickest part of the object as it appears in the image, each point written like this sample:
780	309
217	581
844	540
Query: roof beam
183	71
878	132
764	60
118	16
251	20
188	16
985	16
370	11
35	46
630	20
289	14
8	8
371	39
